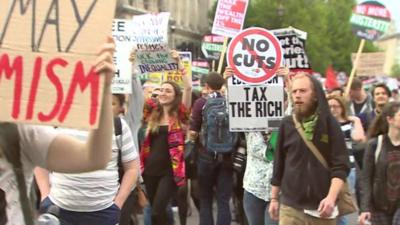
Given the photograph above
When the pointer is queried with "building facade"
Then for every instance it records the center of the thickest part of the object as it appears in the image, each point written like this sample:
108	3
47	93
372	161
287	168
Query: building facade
391	45
189	20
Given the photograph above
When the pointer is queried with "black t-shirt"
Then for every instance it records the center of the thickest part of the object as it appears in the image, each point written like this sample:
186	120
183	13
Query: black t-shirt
159	161
358	106
393	172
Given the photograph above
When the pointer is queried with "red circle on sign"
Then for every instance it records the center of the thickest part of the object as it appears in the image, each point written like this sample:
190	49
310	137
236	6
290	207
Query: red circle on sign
268	72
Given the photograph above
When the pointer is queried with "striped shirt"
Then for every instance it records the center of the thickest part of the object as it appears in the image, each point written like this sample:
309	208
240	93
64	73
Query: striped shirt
92	191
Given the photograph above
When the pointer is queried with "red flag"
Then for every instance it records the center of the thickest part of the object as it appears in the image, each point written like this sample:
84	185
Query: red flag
330	82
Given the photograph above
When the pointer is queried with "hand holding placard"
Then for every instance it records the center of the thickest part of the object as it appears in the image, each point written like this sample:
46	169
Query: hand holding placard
104	61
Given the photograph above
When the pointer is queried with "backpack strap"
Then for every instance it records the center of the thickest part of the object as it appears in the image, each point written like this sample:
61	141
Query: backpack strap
9	142
378	147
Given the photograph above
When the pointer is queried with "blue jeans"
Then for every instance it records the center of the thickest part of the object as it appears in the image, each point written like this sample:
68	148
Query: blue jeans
147	215
256	210
351	180
212	173
108	216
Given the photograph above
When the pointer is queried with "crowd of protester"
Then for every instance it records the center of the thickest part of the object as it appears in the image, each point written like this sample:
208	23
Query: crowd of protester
158	148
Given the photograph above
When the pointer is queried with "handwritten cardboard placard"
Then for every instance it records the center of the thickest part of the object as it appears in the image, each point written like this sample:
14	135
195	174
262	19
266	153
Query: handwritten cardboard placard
151	38
46	55
176	75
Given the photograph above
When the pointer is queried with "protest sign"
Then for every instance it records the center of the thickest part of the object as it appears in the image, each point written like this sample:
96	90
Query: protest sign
255	107
370	20
211	46
47	51
176	75
229	17
370	64
255	55
293	43
199	70
122	31
151	38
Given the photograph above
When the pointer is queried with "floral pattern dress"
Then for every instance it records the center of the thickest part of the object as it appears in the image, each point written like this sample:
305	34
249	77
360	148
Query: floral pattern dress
258	174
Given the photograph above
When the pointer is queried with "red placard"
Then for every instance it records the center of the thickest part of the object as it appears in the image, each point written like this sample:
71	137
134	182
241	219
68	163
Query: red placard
229	17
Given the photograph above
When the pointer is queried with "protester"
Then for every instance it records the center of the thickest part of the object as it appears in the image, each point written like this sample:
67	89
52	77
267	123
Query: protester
381	95
133	118
258	173
95	197
45	147
360	101
162	152
380	180
303	191
214	170
337	92
350	125
353	133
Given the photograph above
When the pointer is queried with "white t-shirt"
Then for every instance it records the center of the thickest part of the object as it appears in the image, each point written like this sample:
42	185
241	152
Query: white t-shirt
93	191
34	143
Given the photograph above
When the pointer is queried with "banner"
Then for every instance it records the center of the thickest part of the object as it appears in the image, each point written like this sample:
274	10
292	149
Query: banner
46	70
371	64
255	107
211	46
293	43
122	31
229	17
151	38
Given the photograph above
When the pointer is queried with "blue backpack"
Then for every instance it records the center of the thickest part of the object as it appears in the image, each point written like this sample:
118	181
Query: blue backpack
215	134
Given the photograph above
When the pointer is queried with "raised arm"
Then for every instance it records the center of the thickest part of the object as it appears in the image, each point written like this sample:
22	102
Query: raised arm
187	83
68	155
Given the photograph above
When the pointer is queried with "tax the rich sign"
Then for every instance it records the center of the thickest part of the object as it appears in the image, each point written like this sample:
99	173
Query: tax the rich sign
255	107
47	50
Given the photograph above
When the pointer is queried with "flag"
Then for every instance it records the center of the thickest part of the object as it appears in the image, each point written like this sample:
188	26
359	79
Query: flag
330	82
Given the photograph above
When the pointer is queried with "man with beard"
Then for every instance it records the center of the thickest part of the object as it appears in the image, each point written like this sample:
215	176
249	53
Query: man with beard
381	95
305	190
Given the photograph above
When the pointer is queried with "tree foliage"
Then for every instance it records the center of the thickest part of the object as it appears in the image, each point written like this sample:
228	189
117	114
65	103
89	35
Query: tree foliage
330	39
396	70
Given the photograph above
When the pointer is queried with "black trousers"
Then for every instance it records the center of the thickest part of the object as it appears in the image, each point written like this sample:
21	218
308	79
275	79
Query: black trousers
160	190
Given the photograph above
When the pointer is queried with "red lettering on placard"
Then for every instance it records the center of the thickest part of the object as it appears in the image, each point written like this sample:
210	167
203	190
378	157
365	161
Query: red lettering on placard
59	88
12	68
79	78
37	69
9	70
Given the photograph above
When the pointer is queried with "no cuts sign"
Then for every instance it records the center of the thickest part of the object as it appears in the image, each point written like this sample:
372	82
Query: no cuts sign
255	55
